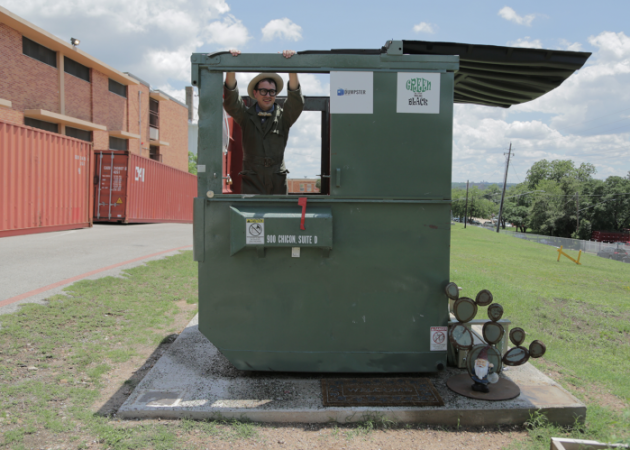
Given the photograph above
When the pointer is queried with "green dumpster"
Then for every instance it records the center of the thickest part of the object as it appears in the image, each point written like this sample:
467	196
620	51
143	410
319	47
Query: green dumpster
361	287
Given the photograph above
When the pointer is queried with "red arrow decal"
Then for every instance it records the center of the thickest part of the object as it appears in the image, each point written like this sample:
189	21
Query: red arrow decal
302	203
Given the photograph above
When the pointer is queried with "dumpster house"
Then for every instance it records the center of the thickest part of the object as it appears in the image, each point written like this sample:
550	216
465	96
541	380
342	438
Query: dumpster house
351	278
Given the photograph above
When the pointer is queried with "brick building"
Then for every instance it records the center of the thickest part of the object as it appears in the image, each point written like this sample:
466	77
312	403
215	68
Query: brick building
50	84
302	185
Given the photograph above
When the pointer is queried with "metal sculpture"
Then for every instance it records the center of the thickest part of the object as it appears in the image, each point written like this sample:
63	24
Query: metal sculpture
484	362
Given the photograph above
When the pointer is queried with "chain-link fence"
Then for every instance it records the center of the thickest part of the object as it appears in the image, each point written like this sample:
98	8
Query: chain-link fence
602	249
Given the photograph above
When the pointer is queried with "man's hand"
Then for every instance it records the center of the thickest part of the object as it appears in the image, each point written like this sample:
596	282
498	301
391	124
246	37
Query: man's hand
230	77
294	83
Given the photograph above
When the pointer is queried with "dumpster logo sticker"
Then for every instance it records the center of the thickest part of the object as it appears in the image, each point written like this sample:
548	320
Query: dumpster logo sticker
418	93
254	231
438	339
351	92
139	174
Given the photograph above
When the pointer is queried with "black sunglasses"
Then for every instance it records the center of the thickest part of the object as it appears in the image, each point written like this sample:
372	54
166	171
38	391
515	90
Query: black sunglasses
264	92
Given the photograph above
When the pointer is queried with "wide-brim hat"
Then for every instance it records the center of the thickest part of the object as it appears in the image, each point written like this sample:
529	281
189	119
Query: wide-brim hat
261	76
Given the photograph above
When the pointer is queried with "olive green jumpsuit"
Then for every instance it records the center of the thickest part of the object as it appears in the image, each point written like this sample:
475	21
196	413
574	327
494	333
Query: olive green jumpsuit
264	171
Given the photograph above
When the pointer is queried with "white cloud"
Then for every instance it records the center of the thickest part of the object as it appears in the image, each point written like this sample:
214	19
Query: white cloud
510	15
612	46
526	42
158	36
571	46
282	28
125	16
229	33
303	153
425	27
586	119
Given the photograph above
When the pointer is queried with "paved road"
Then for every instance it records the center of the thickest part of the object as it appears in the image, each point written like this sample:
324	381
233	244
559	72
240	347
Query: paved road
32	262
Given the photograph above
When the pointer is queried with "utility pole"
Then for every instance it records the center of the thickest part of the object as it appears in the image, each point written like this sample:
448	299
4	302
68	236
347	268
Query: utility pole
577	212
504	186
466	209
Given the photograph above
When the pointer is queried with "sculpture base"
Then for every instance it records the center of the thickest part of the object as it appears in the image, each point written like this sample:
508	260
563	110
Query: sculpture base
504	389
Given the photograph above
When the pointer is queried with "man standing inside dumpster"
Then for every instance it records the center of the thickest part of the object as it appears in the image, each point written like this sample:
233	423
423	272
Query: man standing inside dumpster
265	128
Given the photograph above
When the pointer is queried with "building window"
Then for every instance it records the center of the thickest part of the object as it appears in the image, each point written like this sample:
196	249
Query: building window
39	52
309	188
154	113
79	134
154	152
117	88
53	127
117	143
74	68
301	187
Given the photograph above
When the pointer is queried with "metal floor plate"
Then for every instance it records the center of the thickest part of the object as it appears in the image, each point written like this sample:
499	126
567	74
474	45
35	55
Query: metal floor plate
379	392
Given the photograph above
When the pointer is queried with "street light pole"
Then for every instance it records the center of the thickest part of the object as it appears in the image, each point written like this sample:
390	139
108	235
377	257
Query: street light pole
466	209
504	186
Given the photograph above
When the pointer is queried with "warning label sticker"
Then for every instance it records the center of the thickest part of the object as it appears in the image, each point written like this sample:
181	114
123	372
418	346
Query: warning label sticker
438	339
119	201
255	231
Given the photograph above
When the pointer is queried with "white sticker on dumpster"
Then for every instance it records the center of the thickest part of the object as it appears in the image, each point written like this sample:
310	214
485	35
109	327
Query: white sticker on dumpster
255	231
438	339
418	93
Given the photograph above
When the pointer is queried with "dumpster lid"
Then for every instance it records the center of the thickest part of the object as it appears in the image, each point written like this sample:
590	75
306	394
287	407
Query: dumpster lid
494	75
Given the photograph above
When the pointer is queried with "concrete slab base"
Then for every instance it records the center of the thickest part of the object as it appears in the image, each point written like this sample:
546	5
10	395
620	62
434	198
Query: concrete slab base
193	380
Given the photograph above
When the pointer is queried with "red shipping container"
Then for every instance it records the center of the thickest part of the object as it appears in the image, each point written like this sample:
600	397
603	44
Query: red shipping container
45	181
141	190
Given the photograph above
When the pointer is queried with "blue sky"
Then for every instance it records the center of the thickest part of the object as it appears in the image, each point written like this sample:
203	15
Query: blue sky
587	119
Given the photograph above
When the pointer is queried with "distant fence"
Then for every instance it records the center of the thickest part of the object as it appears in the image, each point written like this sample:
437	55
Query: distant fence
567	243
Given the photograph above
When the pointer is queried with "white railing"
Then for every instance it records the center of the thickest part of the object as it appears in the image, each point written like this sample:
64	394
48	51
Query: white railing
567	243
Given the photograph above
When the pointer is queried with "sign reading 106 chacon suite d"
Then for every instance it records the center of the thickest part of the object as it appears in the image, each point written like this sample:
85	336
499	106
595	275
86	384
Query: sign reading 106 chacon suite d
418	93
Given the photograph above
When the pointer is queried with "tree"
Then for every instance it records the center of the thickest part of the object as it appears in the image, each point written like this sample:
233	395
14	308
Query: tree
558	170
608	207
192	163
458	204
493	193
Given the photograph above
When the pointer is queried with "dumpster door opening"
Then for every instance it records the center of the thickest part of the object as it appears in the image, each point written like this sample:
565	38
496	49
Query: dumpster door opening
233	159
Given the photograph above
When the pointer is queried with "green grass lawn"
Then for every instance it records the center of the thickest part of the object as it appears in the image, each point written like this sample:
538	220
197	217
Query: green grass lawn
57	361
581	312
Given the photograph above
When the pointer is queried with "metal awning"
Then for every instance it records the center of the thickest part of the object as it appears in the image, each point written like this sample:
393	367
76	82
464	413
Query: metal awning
502	76
492	75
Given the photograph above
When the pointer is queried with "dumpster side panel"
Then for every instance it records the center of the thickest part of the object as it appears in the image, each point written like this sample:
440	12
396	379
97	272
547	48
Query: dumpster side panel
394	155
45	181
367	307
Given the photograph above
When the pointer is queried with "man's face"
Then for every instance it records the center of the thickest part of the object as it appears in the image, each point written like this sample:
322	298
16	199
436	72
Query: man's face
264	102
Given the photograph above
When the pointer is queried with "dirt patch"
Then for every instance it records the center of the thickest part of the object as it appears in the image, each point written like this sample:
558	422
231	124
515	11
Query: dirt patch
598	322
314	436
594	394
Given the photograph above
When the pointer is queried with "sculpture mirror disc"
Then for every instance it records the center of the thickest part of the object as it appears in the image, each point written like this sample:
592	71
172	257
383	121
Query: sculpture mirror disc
495	312
517	336
484	298
516	356
492	332
465	309
537	349
452	291
461	337
494	358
